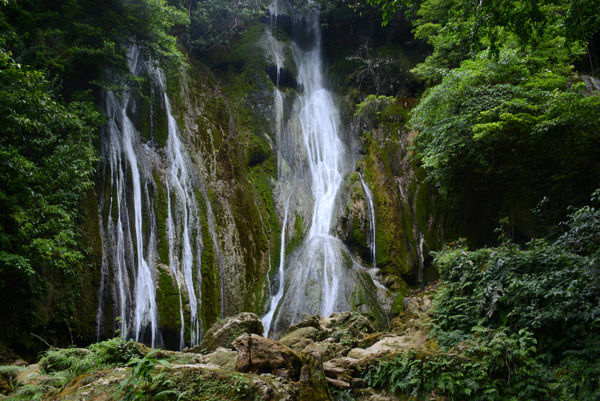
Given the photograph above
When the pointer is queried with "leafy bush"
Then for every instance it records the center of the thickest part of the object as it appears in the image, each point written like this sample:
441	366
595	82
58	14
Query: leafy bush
214	23
505	133
521	317
495	365
116	351
135	386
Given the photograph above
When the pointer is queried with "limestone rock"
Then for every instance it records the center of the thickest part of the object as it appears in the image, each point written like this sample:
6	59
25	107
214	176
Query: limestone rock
261	355
308	321
358	353
300	338
224	332
223	358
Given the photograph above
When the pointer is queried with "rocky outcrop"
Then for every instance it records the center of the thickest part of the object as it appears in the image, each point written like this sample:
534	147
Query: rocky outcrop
257	354
315	356
224	332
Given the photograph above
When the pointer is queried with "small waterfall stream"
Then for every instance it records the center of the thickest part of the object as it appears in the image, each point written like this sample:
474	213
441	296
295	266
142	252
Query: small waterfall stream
183	206
372	242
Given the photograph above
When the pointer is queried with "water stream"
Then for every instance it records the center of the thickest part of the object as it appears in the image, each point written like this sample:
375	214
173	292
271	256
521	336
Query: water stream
320	276
372	242
129	233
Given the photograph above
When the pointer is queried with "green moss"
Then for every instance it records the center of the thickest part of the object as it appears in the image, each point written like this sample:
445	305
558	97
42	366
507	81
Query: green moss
167	300
161	212
357	235
211	285
160	123
144	117
260	177
298	236
364	299
389	228
206	385
258	150
216	111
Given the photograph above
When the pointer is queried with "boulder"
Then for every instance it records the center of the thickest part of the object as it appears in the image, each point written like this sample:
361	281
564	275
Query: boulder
257	354
353	323
300	338
222	333
358	353
223	358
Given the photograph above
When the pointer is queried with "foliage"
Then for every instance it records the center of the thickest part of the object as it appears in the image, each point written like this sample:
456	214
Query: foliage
547	295
341	395
47	163
496	365
507	131
76	40
116	351
60	366
134	387
214	23
375	106
458	29
516	323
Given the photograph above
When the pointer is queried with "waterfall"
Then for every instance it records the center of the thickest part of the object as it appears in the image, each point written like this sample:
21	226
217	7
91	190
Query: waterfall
129	248
128	220
267	320
372	243
320	276
185	202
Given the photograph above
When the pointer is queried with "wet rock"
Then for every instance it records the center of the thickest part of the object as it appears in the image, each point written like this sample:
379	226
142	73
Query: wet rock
261	355
351	322
337	376
224	332
358	383
328	349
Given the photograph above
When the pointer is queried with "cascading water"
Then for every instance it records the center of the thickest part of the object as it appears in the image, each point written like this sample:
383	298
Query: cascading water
128	220
372	241
267	320
129	251
320	277
183	262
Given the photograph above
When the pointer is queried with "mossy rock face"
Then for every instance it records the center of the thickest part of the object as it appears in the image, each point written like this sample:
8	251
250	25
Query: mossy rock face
313	383
364	299
391	234
169	307
210	285
411	219
161	211
84	314
224	332
354	225
300	338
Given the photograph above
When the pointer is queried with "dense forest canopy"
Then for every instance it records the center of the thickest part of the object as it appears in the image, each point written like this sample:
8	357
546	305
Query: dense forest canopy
507	122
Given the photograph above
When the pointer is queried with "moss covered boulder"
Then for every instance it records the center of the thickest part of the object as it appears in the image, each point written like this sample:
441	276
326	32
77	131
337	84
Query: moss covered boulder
224	332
